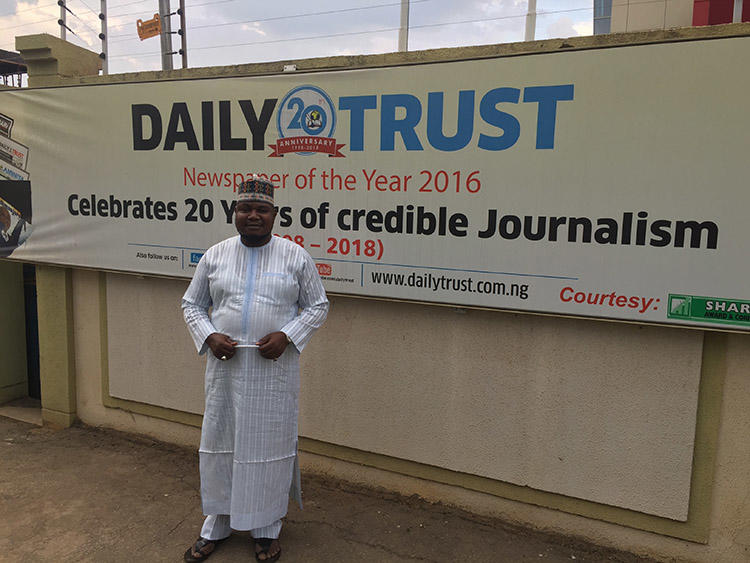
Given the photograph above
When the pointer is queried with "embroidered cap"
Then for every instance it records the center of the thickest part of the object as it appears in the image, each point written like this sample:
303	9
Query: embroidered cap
256	189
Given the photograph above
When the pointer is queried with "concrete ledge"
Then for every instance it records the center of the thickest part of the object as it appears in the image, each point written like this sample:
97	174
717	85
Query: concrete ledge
50	59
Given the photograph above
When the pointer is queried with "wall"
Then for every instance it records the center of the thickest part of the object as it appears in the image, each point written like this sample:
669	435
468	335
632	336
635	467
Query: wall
94	405
396	407
601	413
605	415
13	378
726	507
636	15
525	417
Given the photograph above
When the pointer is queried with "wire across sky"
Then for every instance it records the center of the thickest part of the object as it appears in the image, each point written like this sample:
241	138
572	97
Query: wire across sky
349	29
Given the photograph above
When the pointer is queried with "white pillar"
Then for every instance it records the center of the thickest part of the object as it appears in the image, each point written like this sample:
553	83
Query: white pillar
530	21
403	32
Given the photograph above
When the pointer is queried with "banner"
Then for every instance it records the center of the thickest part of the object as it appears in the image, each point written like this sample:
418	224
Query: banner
603	183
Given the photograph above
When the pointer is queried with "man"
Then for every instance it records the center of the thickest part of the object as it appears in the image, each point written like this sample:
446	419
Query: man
13	230
267	301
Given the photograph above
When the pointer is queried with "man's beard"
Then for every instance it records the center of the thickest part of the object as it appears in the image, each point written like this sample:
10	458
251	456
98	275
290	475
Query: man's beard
255	239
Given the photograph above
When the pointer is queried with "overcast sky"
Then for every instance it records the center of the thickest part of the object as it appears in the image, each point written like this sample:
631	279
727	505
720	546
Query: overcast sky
222	32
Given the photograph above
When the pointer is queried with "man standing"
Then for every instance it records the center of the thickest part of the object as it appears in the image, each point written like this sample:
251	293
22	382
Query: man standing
267	301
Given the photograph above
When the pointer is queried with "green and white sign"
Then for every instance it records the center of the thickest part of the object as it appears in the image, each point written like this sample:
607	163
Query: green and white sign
709	309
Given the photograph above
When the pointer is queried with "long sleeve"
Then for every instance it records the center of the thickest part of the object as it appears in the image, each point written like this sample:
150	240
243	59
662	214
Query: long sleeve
313	305
195	305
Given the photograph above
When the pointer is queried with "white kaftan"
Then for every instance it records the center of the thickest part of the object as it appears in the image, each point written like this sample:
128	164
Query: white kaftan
248	444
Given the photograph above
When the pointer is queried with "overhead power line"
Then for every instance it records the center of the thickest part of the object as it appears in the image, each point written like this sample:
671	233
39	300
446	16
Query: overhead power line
190	6
89	8
31	23
28	10
328	12
82	21
349	33
271	41
306	15
345	10
127	4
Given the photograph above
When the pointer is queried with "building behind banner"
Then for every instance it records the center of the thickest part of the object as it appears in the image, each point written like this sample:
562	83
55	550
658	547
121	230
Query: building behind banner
632	436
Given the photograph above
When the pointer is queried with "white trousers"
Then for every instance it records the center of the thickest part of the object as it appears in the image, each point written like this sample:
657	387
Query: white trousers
217	527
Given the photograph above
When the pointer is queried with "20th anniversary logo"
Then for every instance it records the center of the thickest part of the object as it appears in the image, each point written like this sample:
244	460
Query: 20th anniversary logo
306	120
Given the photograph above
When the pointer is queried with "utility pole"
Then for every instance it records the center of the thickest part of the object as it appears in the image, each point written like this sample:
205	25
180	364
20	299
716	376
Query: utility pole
530	21
403	32
63	21
183	34
165	15
103	36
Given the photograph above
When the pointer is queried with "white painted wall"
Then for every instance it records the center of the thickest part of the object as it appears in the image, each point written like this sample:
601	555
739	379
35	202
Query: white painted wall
151	356
592	410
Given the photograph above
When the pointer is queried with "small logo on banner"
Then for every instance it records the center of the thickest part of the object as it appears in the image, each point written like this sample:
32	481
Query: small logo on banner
679	306
195	257
306	121
324	269
709	309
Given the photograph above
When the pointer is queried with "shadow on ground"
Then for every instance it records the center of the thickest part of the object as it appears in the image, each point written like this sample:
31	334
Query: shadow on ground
87	494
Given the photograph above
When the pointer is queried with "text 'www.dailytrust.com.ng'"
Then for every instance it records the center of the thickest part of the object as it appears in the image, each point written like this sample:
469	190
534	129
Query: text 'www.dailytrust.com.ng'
432	282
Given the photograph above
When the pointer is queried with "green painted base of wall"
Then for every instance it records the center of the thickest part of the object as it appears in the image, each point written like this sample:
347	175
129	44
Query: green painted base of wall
58	419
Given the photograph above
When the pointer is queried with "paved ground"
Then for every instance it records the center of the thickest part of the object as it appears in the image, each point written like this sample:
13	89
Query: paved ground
84	494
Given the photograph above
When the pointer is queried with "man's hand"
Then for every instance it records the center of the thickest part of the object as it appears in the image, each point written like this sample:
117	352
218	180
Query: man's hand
221	345
271	346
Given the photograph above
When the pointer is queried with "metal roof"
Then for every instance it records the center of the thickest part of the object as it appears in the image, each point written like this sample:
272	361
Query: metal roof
11	63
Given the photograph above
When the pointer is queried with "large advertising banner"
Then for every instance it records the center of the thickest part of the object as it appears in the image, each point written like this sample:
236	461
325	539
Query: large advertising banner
606	183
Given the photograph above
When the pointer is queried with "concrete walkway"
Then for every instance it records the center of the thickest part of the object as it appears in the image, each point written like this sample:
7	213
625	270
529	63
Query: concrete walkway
85	494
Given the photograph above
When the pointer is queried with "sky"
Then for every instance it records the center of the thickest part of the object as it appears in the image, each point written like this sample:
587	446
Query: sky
226	32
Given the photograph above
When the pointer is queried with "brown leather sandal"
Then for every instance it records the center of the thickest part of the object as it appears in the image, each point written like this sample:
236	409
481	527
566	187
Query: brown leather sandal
265	546
203	547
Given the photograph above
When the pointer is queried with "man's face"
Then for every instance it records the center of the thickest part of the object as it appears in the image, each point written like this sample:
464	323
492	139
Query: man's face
4	219
254	219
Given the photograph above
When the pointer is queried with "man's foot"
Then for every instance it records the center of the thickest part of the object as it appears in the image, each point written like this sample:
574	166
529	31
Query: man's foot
267	549
200	550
